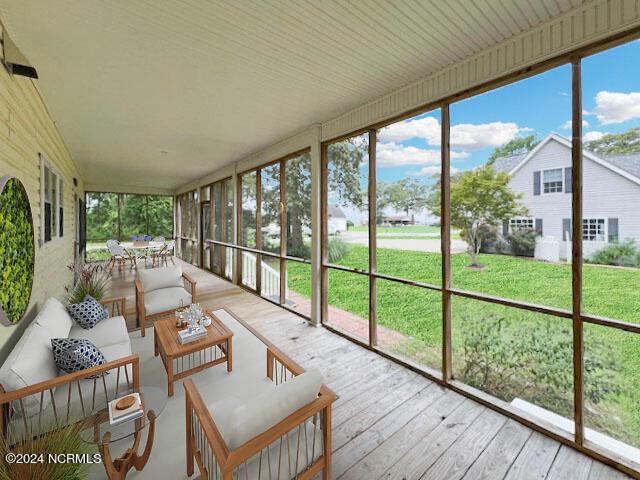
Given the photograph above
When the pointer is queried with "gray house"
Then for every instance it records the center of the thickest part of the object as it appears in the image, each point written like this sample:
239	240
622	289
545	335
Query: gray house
611	195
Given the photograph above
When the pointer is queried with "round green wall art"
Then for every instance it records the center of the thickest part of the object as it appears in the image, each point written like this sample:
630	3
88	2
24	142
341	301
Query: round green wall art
17	251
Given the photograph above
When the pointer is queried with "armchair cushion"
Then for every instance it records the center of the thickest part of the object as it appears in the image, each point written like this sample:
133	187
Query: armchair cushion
107	332
165	299
54	317
261	412
88	312
75	354
30	362
157	278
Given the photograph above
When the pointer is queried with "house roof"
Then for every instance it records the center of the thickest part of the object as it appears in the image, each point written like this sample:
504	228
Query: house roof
627	165
507	164
336	212
628	162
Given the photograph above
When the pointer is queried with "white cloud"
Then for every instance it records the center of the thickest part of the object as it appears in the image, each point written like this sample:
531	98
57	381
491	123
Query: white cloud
429	171
427	128
567	125
477	136
391	154
467	136
616	107
595	135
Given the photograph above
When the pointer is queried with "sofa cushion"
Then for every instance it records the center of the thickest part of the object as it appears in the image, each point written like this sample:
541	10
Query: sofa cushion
76	354
156	278
30	362
116	351
88	312
54	317
107	332
165	299
264	410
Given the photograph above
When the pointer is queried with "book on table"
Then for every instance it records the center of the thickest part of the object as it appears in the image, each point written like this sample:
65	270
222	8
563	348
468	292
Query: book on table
130	413
185	336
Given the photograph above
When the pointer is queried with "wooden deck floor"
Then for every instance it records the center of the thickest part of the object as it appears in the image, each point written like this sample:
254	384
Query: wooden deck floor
390	422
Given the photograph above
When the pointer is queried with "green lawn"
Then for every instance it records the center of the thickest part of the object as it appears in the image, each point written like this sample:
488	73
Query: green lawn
416	313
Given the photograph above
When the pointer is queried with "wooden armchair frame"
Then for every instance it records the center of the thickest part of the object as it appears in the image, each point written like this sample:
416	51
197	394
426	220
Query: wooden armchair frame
140	310
201	429
70	381
115	306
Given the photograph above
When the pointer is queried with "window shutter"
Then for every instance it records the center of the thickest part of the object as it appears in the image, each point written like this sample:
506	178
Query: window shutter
568	184
536	183
613	229
539	226
566	230
61	220
505	228
47	222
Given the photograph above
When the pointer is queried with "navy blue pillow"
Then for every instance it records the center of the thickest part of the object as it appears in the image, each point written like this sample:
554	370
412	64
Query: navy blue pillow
88	312
76	354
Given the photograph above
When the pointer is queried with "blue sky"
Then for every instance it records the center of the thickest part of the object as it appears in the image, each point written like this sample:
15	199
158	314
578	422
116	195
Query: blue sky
538	105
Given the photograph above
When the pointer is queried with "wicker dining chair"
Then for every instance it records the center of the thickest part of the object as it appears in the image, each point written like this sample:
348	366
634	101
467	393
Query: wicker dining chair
165	254
119	256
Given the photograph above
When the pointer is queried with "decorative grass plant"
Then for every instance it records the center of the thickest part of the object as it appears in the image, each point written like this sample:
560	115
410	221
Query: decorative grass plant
89	280
43	451
17	253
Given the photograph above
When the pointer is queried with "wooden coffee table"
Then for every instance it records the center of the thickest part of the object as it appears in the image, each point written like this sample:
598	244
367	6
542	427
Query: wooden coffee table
181	360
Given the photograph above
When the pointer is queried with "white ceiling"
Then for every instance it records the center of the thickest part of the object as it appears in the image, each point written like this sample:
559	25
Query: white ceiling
210	82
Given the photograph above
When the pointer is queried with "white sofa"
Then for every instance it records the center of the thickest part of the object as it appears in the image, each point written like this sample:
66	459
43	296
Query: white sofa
160	291
31	384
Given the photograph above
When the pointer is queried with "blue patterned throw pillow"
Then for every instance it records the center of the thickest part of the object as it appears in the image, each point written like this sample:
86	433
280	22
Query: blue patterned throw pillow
88	312
76	354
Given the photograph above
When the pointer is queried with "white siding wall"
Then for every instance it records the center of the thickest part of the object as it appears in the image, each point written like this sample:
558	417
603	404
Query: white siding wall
25	130
606	194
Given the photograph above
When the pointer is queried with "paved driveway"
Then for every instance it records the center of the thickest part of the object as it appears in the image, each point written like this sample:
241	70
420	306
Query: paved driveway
428	244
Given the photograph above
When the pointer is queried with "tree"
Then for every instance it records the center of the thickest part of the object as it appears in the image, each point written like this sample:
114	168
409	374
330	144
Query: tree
406	195
616	143
345	161
480	198
516	146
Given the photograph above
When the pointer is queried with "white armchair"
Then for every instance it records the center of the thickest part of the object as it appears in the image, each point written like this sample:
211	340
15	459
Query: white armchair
160	291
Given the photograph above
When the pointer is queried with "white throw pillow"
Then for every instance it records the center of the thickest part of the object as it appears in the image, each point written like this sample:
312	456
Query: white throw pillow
156	278
54	317
260	413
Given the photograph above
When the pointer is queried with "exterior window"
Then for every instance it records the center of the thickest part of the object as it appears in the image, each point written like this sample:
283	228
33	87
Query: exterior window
520	224
593	229
51	203
552	181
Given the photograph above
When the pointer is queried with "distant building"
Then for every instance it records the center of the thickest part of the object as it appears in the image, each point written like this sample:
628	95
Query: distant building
336	221
611	194
395	220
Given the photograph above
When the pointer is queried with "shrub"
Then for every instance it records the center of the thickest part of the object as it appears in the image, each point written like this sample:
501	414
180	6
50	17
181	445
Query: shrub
350	224
625	254
509	359
17	255
489	238
302	250
523	242
337	250
89	280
